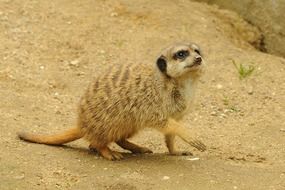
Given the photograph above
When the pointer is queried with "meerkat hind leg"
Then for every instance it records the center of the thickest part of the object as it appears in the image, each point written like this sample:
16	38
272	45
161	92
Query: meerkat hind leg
169	140
125	144
106	152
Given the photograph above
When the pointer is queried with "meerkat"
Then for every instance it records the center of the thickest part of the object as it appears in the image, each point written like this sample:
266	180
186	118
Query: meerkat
130	97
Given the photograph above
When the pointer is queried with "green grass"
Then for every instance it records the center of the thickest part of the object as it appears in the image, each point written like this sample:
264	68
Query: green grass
226	101
119	43
244	71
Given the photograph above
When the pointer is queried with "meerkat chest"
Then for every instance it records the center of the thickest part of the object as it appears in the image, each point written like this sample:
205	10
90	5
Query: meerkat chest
188	92
183	98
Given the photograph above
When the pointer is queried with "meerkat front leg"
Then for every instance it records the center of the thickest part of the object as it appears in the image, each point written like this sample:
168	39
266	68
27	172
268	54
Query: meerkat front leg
169	140
174	128
125	144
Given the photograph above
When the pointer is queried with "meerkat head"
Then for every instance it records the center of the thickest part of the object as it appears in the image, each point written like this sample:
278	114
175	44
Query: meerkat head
180	60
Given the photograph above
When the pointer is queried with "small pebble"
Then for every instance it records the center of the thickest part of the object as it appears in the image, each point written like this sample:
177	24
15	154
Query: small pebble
20	177
114	14
193	159
166	178
213	113
227	110
219	86
250	91
74	63
80	74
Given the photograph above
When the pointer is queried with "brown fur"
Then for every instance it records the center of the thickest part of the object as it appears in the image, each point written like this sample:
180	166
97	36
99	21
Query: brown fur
69	135
130	97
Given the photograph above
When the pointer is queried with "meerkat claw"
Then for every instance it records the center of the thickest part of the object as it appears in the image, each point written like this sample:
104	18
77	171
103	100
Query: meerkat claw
144	150
199	145
181	153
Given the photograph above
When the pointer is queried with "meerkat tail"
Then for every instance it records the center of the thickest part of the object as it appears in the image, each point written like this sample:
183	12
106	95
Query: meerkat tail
57	139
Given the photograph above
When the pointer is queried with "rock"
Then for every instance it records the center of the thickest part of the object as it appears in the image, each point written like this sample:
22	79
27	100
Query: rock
4	18
193	159
165	178
74	63
250	90
19	177
80	73
219	86
227	111
58	172
114	14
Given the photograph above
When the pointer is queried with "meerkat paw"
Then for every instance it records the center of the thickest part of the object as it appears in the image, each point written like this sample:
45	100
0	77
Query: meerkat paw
92	149
142	150
198	144
117	155
110	155
181	153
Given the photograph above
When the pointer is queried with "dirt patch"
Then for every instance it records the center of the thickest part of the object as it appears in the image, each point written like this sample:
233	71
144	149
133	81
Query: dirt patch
49	52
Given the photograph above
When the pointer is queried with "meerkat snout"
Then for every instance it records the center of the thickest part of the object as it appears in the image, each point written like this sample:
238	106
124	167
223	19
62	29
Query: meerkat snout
198	60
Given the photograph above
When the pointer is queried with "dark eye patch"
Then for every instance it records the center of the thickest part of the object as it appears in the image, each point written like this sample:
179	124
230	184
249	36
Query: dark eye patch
182	54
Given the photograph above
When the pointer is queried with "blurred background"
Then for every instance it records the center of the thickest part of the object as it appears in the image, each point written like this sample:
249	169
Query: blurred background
267	15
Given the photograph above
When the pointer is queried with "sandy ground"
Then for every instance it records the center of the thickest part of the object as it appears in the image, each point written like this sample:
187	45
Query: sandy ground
51	50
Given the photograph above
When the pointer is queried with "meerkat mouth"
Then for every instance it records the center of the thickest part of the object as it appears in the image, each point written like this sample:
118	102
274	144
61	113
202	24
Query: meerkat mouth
195	64
197	61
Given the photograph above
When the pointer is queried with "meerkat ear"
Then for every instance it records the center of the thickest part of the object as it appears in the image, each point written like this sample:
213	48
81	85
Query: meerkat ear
161	64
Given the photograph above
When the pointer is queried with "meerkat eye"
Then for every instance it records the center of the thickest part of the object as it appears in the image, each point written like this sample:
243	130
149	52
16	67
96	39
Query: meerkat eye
182	54
197	51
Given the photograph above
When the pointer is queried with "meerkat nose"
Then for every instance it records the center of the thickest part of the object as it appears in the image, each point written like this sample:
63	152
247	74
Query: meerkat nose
198	60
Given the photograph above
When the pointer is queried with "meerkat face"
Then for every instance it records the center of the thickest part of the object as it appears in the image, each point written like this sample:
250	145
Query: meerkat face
181	59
